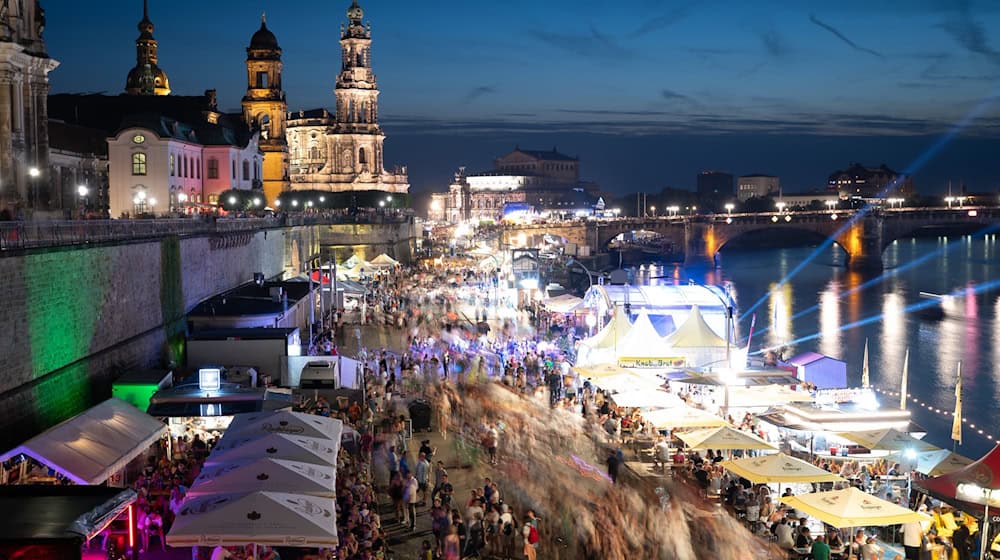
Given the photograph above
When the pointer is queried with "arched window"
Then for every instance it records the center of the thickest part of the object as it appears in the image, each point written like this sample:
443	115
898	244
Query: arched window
246	170
139	164
314	153
362	159
173	163
265	127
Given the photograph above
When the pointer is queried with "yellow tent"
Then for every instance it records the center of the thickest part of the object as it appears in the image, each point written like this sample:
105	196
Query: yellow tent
682	417
889	439
851	507
725	437
778	467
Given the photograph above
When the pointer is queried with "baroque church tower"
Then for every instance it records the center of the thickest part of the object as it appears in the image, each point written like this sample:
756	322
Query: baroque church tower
146	78
264	108
343	151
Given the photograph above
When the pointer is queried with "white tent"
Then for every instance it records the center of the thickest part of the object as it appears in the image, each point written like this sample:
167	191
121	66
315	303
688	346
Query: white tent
276	446
271	518
383	261
251	475
697	341
642	340
94	444
602	347
285	422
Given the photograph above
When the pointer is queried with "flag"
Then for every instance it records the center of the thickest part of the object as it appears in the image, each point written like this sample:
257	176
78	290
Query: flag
865	380
956	423
753	323
902	388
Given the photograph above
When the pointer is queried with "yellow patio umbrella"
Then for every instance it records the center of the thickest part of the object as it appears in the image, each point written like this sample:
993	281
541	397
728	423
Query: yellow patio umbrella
851	507
682	417
725	437
600	371
778	468
942	461
889	439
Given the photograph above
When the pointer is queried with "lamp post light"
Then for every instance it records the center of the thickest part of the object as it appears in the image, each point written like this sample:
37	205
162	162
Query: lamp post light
949	200
729	207
781	205
673	210
652	211
256	201
591	321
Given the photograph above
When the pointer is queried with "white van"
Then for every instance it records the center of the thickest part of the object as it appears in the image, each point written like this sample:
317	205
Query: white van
319	375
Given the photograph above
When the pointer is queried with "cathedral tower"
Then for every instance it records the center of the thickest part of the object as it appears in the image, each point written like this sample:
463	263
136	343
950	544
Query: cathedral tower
146	78
264	108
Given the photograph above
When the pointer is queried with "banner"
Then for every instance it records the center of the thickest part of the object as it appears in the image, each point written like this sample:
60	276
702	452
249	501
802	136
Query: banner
651	363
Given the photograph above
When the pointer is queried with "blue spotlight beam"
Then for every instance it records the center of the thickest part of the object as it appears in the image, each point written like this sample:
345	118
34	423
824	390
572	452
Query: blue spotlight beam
914	166
982	288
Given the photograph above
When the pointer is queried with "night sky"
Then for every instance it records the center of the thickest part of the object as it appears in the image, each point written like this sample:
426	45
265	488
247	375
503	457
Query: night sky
645	92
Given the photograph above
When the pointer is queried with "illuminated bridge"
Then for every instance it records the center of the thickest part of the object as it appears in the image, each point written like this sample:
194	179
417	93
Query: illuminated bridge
863	236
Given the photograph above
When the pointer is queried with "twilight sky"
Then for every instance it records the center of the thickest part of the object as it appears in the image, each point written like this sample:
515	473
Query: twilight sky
646	92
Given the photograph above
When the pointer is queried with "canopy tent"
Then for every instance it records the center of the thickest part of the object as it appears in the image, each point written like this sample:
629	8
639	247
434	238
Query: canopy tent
353	267
351	288
697	341
646	399
271	518
642	340
969	486
683	417
602	347
94	444
251	475
286	422
725	437
888	439
276	446
566	303
383	261
942	461
851	507
778	467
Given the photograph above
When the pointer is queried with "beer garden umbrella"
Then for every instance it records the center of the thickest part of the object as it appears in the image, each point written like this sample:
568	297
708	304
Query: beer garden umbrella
778	468
725	437
851	507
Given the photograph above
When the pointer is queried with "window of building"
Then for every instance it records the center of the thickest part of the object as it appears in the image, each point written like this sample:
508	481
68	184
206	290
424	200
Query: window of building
314	153
256	170
172	163
261	80
197	168
213	168
234	169
213	199
362	159
246	170
139	164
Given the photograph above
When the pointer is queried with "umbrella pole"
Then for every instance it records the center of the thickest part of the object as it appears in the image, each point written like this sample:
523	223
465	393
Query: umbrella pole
254	551
985	533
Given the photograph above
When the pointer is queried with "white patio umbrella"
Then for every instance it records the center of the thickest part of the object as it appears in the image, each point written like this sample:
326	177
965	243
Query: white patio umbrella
276	475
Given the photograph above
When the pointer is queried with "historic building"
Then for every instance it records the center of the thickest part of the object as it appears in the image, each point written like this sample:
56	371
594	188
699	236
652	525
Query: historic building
547	180
146	78
24	87
78	163
869	182
343	151
265	109
751	186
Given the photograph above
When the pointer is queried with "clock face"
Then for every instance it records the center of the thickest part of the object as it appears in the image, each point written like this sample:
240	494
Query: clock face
138	139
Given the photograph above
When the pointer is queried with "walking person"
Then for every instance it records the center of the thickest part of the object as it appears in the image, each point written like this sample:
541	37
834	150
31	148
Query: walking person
411	495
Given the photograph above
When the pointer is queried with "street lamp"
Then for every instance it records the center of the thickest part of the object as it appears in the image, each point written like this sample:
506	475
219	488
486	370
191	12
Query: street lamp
949	200
256	201
33	172
381	204
673	210
82	190
729	207
590	275
652	210
781	205
591	321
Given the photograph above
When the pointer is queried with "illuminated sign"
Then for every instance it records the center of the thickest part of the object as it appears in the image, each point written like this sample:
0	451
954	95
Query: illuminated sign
651	363
209	379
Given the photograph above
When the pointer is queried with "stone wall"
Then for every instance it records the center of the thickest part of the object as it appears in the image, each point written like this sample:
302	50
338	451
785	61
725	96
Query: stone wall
75	317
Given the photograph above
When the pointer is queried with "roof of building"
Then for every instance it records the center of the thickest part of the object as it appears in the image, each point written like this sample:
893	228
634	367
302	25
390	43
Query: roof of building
752	175
858	171
547	155
56	513
77	139
251	299
317	113
263	39
807	358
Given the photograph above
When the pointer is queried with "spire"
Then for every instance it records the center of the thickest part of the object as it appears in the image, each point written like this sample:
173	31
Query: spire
145	10
263	19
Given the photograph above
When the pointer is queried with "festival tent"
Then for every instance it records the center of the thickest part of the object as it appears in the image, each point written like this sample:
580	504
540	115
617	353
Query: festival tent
969	487
271	518
778	467
684	416
642	340
566	303
276	446
95	444
888	439
383	261
697	341
646	399
942	461
602	347
251	475
286	422
725	437
851	507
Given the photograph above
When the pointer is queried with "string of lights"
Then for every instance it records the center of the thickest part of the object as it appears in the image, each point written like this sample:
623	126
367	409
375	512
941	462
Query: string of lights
946	413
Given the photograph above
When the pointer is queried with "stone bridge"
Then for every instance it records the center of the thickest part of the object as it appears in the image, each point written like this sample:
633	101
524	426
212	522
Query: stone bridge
863	236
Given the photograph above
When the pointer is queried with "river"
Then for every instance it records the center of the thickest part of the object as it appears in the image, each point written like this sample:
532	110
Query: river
828	309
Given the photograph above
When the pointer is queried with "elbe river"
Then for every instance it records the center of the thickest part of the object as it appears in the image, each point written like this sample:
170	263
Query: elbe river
829	297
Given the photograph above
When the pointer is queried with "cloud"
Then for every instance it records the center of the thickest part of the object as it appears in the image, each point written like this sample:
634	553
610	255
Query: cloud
476	93
969	33
836	33
662	21
774	44
670	94
594	45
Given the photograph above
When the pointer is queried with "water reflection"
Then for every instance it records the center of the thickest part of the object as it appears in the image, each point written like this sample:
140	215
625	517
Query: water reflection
829	320
893	340
780	311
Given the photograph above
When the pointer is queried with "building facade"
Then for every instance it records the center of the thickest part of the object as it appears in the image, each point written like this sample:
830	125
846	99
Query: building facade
24	88
146	77
750	186
869	182
715	184
78	163
343	151
265	109
159	165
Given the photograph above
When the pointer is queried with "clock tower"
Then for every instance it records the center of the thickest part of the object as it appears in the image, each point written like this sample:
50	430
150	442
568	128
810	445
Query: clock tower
265	109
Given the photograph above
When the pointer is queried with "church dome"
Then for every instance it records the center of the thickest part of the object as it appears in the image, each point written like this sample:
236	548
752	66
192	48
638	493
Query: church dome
263	39
135	85
355	13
